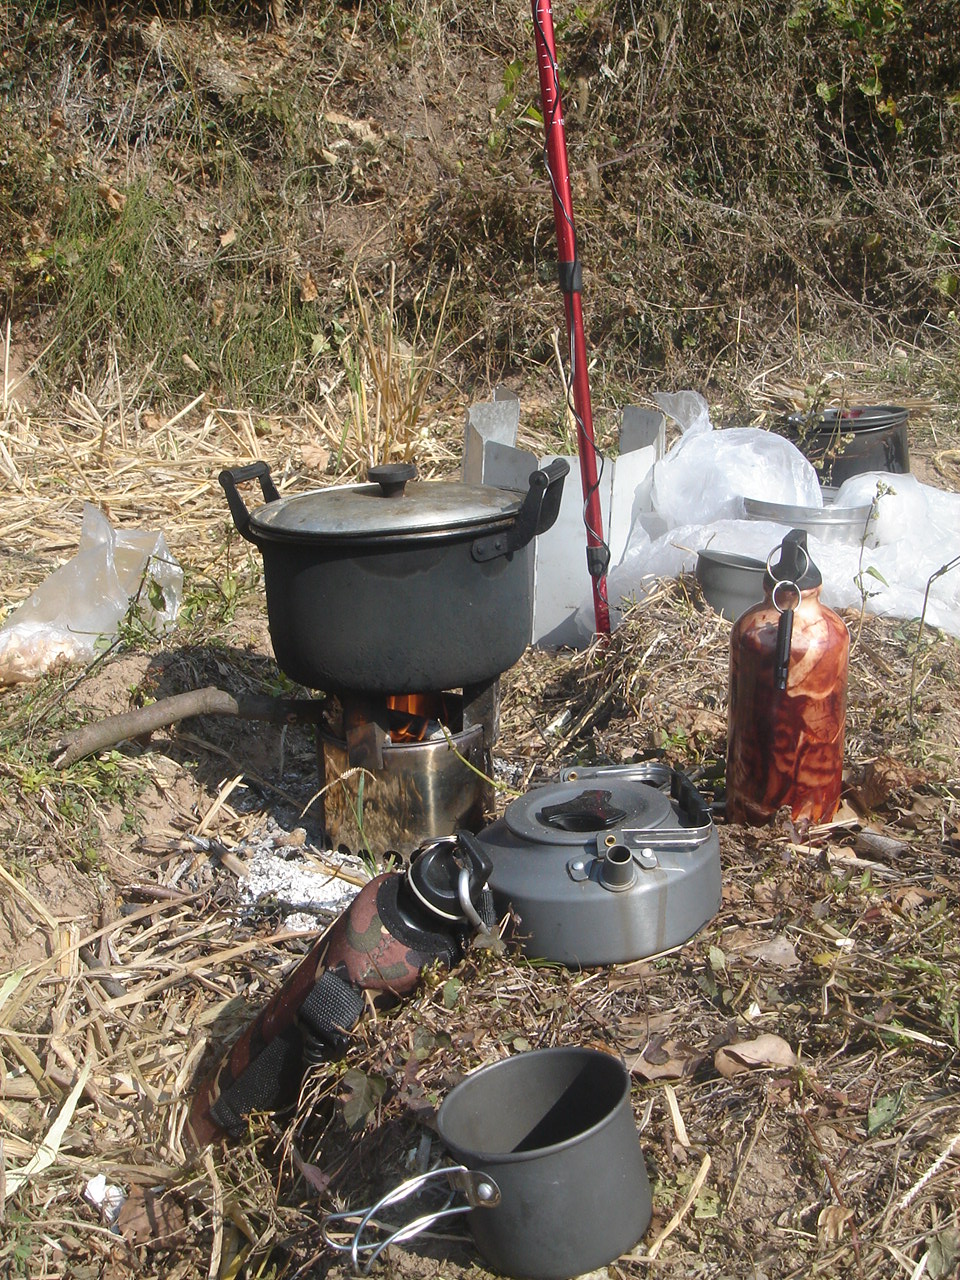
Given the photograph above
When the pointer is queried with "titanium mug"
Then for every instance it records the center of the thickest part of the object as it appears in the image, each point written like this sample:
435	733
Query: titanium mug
550	1165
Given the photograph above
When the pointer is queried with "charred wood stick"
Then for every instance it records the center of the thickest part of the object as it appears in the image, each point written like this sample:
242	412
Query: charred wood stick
100	734
113	986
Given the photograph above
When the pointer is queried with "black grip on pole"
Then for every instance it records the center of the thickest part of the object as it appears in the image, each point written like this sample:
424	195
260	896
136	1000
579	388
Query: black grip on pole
570	275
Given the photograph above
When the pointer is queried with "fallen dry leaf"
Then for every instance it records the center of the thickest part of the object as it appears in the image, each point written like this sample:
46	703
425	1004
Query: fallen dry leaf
228	238
708	724
312	1174
831	1222
152	1217
778	951
308	289
871	786
112	198
910	897
664	1060
315	457
923	810
747	1055
359	128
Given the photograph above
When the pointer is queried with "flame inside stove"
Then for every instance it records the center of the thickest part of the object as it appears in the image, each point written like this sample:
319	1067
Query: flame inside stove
414	715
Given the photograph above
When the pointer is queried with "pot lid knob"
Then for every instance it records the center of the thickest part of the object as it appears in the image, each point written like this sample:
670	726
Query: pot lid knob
392	477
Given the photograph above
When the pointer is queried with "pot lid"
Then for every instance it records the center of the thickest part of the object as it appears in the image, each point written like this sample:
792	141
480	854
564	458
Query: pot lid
394	505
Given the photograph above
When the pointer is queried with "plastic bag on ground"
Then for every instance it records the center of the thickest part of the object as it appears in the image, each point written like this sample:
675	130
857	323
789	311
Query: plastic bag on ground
77	611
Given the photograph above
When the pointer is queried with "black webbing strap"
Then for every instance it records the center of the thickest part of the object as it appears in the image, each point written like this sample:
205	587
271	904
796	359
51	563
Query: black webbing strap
330	1011
265	1085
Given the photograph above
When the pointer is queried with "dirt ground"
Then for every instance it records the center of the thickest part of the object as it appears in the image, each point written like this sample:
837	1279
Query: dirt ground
795	1066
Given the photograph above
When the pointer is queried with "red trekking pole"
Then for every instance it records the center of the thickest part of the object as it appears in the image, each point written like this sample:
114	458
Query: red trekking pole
571	283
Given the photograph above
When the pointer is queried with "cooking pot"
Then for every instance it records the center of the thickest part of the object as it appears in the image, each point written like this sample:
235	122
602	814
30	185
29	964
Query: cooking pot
848	442
730	582
551	1167
397	585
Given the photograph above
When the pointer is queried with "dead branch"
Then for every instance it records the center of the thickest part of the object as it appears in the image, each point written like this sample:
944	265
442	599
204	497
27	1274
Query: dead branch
100	734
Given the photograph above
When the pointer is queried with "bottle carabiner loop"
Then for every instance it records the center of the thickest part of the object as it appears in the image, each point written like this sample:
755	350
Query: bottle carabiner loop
781	661
788	586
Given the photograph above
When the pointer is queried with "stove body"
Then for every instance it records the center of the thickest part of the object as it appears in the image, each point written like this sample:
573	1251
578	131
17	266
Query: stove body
395	777
606	865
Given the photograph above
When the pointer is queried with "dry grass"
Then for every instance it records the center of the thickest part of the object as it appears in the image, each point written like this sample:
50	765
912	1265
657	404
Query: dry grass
129	959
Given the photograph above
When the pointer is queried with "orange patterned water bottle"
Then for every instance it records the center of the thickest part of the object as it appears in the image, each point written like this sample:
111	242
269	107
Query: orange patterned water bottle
788	696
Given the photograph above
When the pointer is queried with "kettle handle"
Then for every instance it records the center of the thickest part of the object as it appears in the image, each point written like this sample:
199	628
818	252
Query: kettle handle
231	477
538	513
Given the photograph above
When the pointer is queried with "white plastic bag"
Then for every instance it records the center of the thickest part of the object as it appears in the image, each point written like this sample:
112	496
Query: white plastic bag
79	608
916	532
707	474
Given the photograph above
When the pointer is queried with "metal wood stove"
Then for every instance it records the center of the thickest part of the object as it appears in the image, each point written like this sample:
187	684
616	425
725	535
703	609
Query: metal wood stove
405	768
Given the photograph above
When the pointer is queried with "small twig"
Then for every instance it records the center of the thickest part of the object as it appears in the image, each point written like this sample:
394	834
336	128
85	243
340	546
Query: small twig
673	1106
741	1168
588	718
944	568
216	1247
832	1179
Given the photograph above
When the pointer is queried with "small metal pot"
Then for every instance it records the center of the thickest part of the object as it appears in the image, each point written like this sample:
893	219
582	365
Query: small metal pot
730	582
397	586
829	523
555	1132
551	1168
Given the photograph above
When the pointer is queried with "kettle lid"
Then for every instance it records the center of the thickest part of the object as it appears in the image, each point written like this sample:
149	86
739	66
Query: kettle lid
794	564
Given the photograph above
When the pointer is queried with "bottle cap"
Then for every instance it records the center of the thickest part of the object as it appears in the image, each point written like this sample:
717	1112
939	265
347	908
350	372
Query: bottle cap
794	564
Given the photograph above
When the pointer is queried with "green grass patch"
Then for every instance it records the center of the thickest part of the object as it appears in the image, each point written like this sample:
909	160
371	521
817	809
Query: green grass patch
207	305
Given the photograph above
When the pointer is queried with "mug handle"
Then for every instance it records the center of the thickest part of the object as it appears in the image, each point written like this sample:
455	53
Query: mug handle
479	1189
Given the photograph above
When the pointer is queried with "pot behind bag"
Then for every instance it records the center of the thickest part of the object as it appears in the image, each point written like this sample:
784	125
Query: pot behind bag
555	1131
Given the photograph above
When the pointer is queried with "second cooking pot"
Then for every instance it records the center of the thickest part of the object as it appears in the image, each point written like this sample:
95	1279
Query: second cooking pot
397	586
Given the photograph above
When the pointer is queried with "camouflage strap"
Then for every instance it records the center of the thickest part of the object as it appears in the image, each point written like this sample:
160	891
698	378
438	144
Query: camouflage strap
373	947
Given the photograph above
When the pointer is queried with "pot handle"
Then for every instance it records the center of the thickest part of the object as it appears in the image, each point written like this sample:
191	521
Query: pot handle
479	1190
230	478
537	514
